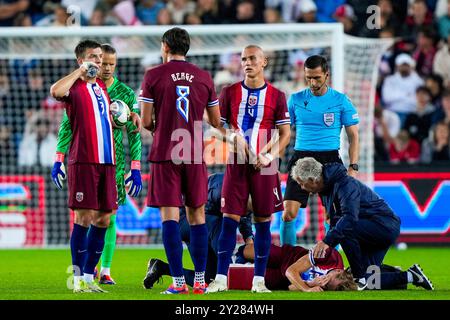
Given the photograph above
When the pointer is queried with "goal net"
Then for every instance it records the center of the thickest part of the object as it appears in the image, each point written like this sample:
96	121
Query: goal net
33	211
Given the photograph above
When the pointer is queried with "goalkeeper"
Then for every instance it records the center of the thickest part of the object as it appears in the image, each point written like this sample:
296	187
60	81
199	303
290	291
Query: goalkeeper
117	90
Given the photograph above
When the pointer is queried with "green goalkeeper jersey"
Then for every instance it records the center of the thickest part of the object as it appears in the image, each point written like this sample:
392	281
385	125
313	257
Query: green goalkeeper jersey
117	91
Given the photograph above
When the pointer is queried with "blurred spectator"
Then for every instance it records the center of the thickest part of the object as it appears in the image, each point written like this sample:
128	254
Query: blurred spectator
10	10
85	7
386	122
36	9
179	8
444	23
296	80
398	91
435	84
387	32
425	51
418	123
33	91
164	17
7	147
441	8
387	19
272	15
346	15
208	11
191	18
291	10
361	14
419	17
326	9
149	61
4	84
147	11
222	79
38	145
232	63
57	17
308	10
404	149
443	114
125	12
103	15
436	147
246	12
386	64
441	64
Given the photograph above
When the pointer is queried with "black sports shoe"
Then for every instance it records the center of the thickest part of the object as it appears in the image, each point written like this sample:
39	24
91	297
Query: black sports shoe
419	278
155	271
361	283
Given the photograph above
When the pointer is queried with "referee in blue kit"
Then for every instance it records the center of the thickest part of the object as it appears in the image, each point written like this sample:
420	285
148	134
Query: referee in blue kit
318	113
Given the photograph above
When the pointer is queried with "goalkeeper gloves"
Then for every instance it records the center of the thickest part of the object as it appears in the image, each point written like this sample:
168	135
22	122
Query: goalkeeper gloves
59	171
133	179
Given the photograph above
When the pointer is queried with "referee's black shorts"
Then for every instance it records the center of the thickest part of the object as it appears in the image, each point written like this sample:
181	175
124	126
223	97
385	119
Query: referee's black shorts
293	190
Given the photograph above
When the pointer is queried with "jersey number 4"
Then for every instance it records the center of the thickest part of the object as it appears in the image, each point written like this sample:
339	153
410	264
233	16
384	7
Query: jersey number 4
183	102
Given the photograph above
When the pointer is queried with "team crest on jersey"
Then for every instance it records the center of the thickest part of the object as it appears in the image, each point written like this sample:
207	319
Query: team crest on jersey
328	119
79	196
252	100
222	202
98	91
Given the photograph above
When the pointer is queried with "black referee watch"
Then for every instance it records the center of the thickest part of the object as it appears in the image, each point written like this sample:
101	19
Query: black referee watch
354	166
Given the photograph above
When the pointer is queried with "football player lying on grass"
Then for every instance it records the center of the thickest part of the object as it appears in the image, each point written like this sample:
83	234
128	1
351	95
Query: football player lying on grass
294	268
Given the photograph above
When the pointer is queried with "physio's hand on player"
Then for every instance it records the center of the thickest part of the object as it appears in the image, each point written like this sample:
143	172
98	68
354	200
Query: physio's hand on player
58	174
134	117
320	249
134	182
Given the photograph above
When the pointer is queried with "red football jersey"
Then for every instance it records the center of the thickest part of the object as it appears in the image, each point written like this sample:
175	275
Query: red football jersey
254	112
87	106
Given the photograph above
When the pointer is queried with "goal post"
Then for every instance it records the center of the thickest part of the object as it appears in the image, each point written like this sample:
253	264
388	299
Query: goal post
33	58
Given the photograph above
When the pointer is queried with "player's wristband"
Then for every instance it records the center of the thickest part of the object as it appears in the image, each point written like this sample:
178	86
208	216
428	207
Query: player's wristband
59	157
269	156
135	165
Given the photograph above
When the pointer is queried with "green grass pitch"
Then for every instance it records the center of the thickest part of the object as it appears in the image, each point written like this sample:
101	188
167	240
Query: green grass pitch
41	274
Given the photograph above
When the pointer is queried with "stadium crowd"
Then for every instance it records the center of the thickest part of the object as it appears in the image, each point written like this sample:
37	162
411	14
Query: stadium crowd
412	114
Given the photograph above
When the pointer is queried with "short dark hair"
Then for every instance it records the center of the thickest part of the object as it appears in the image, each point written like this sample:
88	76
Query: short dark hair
177	40
81	47
107	48
317	61
424	89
